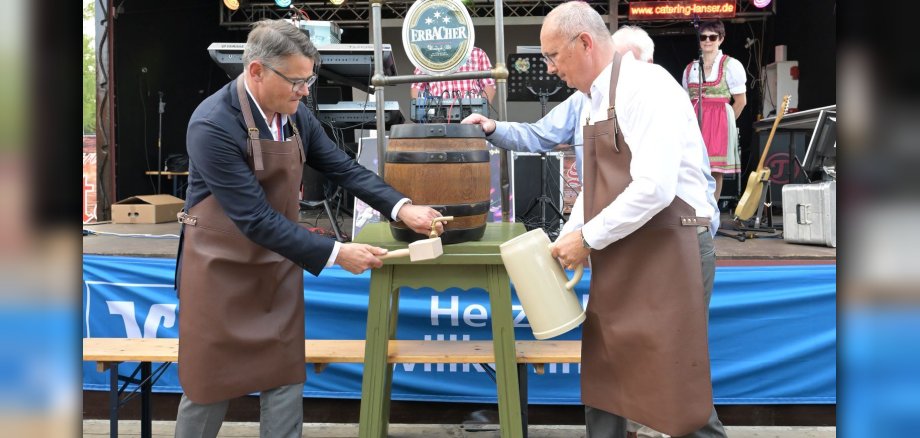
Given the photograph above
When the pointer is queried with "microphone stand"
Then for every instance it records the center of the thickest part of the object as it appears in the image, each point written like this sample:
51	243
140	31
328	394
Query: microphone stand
162	109
700	71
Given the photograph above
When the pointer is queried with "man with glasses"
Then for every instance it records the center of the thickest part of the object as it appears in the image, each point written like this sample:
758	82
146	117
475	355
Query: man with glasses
562	124
643	219
242	252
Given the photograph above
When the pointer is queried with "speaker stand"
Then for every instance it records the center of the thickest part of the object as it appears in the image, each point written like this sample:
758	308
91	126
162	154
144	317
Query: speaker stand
543	201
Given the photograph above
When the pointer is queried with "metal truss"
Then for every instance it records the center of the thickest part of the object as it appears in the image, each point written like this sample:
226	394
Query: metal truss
356	14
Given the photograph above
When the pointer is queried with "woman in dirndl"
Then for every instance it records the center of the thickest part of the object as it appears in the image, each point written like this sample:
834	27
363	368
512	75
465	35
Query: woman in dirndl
723	91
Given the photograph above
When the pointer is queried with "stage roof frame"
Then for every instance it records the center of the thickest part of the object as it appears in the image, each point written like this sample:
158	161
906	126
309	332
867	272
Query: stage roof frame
355	13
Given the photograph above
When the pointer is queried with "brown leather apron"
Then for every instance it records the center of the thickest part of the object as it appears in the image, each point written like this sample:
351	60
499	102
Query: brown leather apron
645	353
241	317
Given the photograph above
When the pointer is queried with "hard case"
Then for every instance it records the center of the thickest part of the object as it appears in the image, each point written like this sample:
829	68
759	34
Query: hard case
810	213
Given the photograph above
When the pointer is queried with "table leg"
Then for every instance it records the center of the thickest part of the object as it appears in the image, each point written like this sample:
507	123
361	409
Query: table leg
374	387
113	399
509	401
146	387
522	385
388	386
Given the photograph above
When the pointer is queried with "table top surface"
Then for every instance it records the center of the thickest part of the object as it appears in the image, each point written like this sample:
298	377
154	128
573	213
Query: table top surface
496	233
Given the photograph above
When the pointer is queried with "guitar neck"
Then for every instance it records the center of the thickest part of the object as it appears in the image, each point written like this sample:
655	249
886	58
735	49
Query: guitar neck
779	116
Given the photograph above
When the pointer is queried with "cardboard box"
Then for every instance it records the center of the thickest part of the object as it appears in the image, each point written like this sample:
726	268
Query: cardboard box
146	209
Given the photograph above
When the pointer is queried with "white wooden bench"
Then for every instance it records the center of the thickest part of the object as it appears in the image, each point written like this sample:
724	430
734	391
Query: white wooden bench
108	353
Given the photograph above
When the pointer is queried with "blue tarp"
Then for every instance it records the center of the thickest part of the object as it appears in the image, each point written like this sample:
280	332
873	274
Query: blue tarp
772	332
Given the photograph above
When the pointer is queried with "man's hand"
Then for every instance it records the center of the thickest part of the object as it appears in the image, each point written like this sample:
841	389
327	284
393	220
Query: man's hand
418	218
487	124
358	257
570	251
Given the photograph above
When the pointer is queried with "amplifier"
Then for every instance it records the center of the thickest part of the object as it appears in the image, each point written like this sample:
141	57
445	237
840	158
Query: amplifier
360	114
439	110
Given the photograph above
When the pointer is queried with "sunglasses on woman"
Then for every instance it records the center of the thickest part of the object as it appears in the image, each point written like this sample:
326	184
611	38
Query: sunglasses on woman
712	37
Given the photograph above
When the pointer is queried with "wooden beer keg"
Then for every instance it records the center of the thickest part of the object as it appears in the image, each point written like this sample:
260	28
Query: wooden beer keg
446	167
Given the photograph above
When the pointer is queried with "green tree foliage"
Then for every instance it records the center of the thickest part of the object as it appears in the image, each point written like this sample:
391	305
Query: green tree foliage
89	76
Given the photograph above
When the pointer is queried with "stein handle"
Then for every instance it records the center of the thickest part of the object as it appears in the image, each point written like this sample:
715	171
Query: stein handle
570	285
579	271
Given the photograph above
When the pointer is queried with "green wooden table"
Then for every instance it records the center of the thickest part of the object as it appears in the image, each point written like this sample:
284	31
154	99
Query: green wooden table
467	265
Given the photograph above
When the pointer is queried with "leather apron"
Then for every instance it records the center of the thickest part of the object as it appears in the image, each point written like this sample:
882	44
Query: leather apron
241	318
645	353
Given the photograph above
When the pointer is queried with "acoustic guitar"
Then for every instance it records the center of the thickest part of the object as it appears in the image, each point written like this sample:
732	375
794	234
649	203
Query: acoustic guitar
750	200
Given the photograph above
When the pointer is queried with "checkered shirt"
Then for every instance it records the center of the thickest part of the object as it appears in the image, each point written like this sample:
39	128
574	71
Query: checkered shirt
478	61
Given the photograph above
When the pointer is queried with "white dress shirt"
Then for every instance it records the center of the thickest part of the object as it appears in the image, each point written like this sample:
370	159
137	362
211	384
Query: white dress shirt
668	154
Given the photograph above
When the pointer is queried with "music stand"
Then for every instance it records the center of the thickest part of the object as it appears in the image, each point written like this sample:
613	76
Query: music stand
529	69
528	78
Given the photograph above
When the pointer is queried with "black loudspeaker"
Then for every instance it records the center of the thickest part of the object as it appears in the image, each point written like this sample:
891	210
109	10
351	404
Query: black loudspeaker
527	168
782	170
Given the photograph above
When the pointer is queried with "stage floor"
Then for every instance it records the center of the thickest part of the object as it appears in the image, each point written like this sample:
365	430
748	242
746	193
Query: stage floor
729	251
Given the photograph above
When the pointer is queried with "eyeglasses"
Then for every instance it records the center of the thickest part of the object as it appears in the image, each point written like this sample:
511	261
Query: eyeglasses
550	58
712	37
295	84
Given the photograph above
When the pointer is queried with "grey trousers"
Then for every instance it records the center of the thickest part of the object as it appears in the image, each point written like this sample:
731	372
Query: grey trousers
281	415
603	424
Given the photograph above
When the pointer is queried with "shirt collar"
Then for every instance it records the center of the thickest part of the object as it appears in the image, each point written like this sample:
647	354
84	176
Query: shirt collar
600	88
284	117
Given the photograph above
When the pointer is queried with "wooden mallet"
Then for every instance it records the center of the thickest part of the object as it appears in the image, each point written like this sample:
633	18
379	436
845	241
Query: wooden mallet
426	249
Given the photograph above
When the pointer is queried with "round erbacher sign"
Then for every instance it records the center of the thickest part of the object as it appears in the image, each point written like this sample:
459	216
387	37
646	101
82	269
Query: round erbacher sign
438	35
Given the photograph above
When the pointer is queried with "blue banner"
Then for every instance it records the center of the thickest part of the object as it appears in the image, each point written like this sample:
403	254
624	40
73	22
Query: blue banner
772	332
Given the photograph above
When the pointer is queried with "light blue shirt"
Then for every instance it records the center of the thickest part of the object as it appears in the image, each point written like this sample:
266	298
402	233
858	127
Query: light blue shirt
563	124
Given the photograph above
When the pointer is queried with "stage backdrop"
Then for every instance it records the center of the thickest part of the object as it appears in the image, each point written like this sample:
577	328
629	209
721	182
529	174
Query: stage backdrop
772	332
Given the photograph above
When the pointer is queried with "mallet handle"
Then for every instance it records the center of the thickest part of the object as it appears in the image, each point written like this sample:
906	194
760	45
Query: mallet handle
395	254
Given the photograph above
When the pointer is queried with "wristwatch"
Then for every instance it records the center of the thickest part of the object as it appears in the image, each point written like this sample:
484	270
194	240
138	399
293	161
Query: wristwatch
585	242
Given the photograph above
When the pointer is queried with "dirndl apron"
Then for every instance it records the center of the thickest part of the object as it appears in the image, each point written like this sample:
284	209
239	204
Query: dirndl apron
720	134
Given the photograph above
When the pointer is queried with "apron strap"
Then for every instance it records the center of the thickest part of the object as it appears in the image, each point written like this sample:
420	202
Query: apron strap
694	221
255	144
297	138
614	78
611	110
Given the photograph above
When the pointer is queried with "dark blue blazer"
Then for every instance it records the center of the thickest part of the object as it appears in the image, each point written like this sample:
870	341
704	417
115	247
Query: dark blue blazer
218	166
